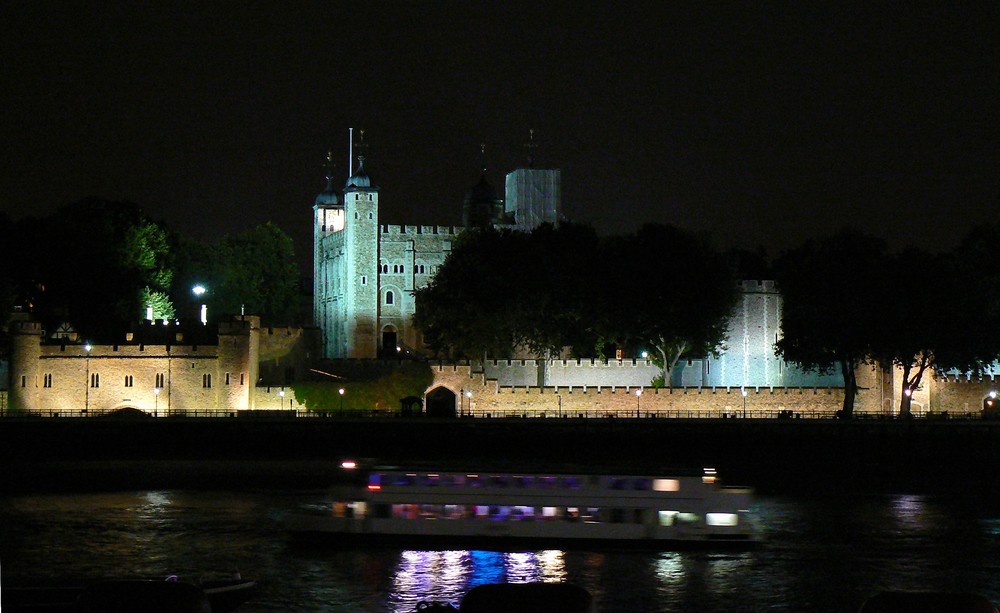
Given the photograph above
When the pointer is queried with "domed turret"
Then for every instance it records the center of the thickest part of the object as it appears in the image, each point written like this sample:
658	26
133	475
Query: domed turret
328	197
360	178
482	208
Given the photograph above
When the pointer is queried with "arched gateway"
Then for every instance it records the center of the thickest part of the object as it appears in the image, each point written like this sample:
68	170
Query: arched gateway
440	402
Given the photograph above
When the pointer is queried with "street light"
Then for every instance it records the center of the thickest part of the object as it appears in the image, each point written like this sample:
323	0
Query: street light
156	401
743	391
468	394
638	393
86	409
199	291
341	392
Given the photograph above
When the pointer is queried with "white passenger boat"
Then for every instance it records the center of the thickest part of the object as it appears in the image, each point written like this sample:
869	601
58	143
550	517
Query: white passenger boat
514	510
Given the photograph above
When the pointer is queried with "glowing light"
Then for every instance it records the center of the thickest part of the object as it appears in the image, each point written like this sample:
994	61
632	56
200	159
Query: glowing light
638	392
341	391
666	485
199	290
645	354
721	519
374	488
993	394
87	347
348	464
468	394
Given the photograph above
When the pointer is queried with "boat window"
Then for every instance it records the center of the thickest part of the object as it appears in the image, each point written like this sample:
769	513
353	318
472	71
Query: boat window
642	484
482	512
403	479
667	518
571	483
498	481
721	519
522	482
522	513
474	480
451	480
380	511
546	483
431	480
374	480
548	512
619	483
687	518
666	485
572	514
591	515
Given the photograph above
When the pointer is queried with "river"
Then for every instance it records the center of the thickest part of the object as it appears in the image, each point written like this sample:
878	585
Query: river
820	553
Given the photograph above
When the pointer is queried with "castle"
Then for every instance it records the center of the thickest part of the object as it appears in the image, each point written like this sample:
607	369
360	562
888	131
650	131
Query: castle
365	277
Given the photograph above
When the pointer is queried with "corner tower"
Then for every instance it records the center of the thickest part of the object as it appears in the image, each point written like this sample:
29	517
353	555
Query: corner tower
360	270
328	219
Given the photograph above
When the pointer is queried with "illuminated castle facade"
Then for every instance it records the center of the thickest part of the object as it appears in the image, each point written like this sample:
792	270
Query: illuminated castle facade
366	274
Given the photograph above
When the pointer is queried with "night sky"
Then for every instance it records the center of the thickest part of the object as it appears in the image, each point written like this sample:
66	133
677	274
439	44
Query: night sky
761	123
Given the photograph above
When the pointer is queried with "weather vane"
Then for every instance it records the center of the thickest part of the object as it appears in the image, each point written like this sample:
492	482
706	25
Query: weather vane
531	146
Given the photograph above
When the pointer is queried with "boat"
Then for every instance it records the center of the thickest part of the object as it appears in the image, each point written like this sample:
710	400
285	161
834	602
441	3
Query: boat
509	511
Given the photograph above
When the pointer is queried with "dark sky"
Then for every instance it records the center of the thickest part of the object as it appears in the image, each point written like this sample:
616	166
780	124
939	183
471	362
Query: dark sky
761	123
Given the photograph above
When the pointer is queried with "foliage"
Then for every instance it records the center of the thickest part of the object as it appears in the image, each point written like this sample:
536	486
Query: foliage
666	289
500	291
253	272
367	385
89	263
832	291
558	288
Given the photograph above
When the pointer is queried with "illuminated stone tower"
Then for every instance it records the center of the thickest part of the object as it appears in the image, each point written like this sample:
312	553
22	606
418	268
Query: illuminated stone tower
533	194
328	218
360	267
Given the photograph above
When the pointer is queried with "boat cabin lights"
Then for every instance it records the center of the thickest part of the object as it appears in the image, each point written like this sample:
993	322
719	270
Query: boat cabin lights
666	485
348	464
721	519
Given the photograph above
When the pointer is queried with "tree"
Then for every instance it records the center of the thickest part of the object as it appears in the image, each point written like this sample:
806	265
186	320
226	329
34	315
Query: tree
666	288
831	295
500	291
253	272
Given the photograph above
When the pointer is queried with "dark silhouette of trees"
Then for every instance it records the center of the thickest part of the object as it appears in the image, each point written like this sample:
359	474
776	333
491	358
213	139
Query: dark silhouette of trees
832	291
558	288
667	289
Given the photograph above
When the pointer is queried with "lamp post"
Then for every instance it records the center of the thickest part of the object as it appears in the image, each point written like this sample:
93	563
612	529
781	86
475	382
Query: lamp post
341	392
156	401
743	391
638	393
281	399
86	409
199	291
468	394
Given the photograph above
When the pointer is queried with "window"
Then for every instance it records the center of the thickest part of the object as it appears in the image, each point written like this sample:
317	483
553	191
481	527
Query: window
24	381
47	380
364	280
241	377
159	380
402	268
128	380
389	298
95	379
206	380
385	268
395	268
227	378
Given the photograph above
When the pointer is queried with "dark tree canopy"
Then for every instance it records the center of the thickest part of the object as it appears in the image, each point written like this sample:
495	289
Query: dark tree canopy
253	272
832	290
558	288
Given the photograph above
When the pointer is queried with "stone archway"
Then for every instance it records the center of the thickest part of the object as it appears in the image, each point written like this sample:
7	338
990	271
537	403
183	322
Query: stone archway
440	403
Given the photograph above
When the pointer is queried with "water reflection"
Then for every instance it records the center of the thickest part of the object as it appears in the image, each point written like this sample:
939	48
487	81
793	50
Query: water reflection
447	575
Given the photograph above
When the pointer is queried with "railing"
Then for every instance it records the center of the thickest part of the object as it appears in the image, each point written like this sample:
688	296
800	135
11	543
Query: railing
591	414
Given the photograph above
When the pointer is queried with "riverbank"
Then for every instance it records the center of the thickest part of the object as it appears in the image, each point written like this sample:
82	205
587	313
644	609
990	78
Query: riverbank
773	455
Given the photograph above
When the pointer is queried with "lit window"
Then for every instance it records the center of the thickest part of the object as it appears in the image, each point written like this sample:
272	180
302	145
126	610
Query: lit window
721	519
667	517
666	485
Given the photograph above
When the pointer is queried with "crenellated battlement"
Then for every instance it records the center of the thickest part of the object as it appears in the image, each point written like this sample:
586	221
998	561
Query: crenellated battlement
401	230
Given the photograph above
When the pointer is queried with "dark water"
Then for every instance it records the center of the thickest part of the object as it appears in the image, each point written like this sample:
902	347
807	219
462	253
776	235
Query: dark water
821	554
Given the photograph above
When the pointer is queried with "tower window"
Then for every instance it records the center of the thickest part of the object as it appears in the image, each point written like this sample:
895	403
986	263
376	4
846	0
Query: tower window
369	215
206	380
24	381
47	380
159	380
364	280
402	268
389	298
395	268
95	379
128	381
385	268
227	378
